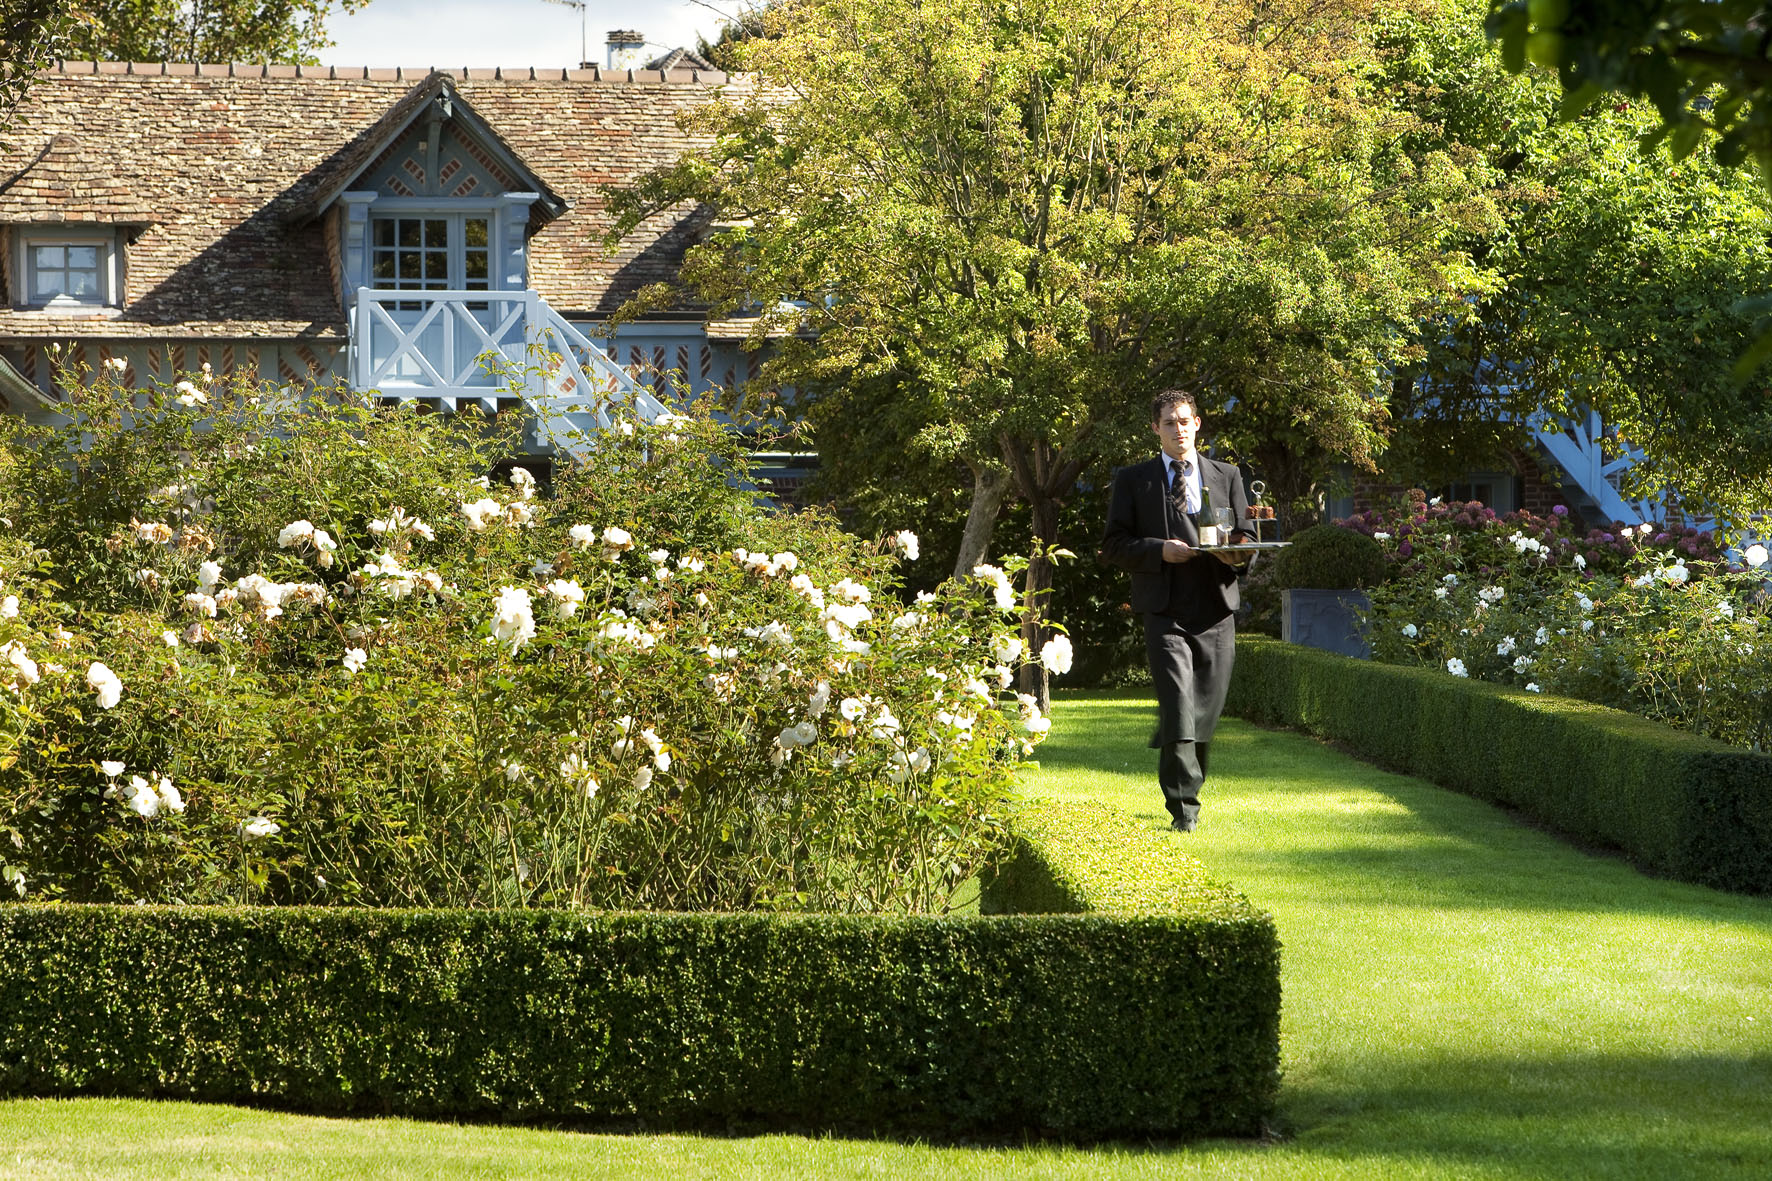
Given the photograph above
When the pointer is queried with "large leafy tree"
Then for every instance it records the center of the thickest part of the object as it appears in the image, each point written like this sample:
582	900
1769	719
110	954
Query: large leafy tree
1003	224
1703	63
32	34
284	31
1623	276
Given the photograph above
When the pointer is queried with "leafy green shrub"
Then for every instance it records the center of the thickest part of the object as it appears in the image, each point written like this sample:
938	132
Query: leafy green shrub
306	652
1675	803
1072	858
1328	557
1656	623
1081	1025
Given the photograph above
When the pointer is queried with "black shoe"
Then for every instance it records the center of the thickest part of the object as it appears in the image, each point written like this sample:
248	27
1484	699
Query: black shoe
1180	825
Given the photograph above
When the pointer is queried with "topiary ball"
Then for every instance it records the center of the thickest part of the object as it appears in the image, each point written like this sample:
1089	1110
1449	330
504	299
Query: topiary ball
1329	557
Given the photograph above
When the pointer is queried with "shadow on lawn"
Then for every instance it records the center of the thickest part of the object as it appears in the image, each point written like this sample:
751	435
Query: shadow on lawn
1614	1115
1118	723
1307	830
1288	806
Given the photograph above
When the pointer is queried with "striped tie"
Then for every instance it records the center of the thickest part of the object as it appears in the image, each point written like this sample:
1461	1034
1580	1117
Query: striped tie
1178	485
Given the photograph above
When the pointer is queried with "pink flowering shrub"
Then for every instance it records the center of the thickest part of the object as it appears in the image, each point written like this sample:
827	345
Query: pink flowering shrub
313	653
1652	621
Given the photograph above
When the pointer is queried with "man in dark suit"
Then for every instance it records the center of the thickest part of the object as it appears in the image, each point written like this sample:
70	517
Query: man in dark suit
1188	597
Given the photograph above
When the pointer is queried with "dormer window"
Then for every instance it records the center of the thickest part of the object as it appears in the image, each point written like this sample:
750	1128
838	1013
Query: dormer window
67	269
431	252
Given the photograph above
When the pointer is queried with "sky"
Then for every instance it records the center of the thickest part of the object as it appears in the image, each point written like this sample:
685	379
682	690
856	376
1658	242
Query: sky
456	33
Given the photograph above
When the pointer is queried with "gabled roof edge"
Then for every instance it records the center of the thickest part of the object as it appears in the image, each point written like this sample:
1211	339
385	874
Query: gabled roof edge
15	387
399	119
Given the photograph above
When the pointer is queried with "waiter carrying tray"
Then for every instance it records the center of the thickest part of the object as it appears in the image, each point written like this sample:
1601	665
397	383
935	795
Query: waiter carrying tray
1187	595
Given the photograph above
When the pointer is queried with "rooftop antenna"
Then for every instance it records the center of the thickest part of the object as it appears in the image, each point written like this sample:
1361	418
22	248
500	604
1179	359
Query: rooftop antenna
581	5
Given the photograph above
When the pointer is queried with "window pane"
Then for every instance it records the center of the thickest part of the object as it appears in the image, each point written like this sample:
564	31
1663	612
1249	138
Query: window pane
70	271
384	231
410	264
436	232
476	264
409	228
383	268
474	230
437	264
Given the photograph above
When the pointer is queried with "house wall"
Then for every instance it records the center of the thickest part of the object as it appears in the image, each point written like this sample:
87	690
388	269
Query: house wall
151	362
677	352
1535	490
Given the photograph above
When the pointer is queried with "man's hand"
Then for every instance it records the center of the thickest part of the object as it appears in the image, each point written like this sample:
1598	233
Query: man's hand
1178	551
1232	559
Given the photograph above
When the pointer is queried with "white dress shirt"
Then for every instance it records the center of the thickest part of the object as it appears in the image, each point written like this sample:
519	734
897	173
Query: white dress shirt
1190	480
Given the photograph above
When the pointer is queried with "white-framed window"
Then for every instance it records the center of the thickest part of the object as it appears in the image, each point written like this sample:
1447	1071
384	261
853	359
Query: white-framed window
1500	491
64	267
425	250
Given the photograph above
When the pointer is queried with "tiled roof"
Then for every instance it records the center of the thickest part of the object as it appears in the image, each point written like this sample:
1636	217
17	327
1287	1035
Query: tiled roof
680	58
218	170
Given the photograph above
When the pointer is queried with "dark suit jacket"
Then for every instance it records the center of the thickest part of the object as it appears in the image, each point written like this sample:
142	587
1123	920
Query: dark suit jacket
1198	592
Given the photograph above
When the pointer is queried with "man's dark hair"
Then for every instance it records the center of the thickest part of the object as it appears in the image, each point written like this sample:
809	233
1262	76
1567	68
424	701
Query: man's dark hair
1175	397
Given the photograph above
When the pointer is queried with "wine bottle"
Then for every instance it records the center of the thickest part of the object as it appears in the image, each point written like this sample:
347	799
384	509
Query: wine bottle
1208	524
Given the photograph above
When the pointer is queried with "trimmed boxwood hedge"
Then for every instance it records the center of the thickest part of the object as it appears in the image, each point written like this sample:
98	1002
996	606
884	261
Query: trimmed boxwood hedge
1678	805
1081	1025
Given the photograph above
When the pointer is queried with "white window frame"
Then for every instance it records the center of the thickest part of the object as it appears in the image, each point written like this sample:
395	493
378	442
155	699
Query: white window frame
1500	486
457	211
457	247
110	277
508	215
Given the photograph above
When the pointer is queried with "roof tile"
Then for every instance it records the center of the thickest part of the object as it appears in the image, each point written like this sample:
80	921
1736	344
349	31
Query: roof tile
214	167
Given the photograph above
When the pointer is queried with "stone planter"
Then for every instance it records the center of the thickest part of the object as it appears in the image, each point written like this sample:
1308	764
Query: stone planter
1327	619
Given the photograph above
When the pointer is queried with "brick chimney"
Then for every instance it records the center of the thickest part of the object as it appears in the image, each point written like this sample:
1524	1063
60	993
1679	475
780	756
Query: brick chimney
627	49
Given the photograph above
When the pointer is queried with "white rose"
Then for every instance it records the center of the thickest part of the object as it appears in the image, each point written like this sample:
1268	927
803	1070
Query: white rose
1055	654
259	826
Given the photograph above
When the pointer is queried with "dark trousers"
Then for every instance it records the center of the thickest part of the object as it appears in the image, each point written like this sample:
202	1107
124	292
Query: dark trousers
1191	671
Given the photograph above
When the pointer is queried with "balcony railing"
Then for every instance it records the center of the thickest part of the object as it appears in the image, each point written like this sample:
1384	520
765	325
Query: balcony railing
456	348
1579	446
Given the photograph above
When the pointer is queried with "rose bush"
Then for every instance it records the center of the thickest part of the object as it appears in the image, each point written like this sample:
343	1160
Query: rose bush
1658	622
307	650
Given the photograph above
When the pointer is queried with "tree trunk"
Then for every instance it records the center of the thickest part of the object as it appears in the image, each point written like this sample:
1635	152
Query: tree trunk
1034	678
1291	488
990	484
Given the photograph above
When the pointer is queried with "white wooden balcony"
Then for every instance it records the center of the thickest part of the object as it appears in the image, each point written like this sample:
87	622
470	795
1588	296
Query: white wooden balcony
490	349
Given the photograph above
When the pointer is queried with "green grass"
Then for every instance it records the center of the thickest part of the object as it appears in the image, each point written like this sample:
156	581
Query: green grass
1465	997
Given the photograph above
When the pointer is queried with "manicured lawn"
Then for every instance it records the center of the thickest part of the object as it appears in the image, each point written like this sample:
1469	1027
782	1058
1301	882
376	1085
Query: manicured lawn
1465	997
1461	989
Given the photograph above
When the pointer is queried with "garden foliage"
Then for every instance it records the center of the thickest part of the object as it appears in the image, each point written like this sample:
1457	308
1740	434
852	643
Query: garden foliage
1676	804
1160	1023
283	650
1655	621
1326	557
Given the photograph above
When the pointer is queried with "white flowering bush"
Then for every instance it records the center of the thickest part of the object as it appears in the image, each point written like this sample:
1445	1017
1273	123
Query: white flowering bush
1655	622
318	653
